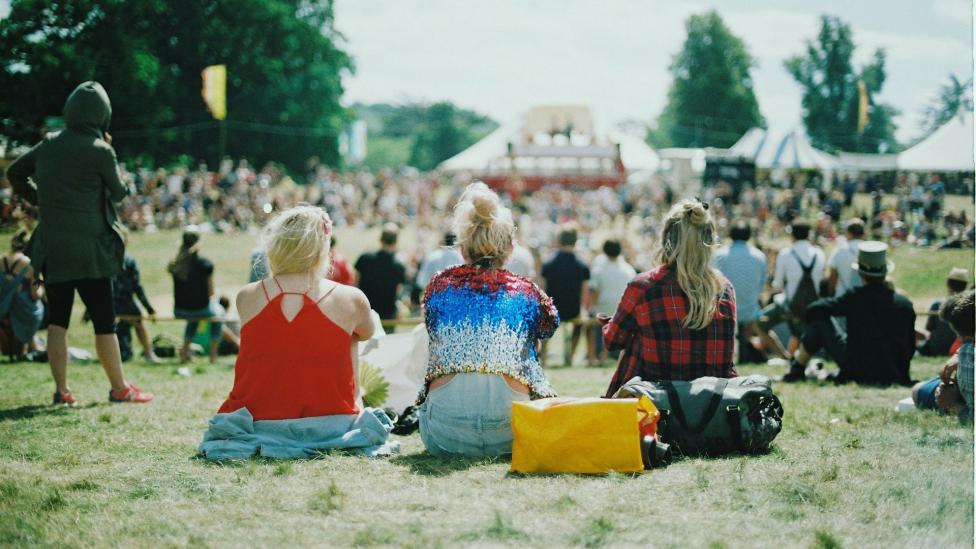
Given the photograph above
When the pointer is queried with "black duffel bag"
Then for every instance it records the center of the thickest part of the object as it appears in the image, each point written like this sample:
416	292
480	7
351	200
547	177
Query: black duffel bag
711	415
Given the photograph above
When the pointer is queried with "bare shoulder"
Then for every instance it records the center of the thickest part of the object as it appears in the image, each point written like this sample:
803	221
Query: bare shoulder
250	300
351	297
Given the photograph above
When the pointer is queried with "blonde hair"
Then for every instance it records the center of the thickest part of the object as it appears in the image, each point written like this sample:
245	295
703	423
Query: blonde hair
686	246
484	227
298	239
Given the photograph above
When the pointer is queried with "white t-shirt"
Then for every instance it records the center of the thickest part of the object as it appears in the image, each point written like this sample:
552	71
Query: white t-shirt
437	261
521	262
610	278
840	260
788	269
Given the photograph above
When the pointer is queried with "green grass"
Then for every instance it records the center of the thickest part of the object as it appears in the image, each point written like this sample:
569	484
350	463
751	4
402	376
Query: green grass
846	471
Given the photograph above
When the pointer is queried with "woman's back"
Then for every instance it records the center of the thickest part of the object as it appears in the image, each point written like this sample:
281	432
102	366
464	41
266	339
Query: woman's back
295	361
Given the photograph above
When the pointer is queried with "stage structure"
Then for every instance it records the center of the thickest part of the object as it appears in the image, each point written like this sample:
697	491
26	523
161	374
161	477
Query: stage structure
555	145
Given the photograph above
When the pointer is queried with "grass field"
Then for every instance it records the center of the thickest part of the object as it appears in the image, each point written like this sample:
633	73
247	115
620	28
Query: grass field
846	471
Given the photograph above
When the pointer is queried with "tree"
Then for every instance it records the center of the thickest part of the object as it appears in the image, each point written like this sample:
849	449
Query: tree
831	99
419	134
711	101
284	73
953	95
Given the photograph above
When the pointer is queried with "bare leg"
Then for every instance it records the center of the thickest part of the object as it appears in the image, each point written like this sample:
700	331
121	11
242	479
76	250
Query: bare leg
802	356
185	351
143	334
57	356
107	348
214	343
573	342
772	343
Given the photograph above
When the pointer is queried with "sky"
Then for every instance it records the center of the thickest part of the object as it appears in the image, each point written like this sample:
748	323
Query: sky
501	57
504	56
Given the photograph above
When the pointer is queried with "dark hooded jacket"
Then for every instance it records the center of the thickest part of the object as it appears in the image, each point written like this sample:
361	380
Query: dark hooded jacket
73	178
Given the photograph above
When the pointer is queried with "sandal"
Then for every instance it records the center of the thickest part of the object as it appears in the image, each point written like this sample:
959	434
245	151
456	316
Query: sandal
66	398
131	393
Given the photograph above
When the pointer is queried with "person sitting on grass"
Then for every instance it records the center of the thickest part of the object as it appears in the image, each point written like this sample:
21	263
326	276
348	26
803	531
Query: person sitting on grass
299	344
193	292
20	296
879	341
952	390
676	321
483	323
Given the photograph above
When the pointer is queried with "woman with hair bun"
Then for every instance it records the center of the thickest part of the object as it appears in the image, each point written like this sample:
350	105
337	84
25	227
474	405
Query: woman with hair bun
676	321
484	323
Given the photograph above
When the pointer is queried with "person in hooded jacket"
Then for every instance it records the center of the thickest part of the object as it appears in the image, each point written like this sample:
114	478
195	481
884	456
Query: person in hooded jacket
72	178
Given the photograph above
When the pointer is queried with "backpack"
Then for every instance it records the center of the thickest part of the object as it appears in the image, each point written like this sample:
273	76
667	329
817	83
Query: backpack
712	415
806	291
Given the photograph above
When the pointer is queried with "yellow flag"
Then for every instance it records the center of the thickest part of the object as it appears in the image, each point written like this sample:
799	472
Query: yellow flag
862	106
215	90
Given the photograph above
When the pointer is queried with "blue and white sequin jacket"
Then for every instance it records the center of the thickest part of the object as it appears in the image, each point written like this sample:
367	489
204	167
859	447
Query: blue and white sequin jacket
487	321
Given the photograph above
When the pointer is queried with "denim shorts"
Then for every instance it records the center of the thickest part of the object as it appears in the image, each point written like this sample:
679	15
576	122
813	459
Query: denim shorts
925	397
470	415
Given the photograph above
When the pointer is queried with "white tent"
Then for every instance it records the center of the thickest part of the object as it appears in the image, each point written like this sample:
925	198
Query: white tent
771	149
490	155
948	149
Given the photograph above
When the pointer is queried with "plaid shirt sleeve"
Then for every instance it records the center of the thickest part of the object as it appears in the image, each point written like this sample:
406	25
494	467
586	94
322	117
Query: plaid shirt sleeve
618	333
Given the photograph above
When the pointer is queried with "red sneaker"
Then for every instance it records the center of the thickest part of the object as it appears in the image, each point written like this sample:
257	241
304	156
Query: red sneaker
65	397
130	394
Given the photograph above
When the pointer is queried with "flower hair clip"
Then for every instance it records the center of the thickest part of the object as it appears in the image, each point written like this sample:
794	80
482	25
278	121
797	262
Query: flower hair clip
326	224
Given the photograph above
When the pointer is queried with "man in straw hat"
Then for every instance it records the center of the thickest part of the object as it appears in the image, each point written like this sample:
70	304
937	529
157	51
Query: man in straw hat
879	343
940	335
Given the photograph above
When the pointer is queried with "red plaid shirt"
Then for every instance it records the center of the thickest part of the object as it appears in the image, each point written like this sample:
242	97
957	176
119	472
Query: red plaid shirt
648	328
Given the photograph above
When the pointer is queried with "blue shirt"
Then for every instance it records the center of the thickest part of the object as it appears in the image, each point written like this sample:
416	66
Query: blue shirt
745	267
964	374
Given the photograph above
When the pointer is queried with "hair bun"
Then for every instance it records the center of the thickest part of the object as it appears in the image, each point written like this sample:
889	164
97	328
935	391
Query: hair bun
696	213
485	206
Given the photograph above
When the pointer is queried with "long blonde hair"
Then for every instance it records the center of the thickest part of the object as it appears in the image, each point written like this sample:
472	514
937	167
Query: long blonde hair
686	246
298	240
484	227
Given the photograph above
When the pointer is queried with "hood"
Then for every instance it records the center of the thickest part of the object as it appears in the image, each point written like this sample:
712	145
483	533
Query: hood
88	109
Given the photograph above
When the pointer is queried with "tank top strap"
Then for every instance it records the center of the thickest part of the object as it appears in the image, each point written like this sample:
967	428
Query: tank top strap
280	289
265	289
327	294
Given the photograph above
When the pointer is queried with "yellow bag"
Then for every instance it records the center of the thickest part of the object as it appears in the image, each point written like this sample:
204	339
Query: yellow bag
580	435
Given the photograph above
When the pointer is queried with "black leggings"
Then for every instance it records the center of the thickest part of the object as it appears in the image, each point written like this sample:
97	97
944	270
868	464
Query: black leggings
96	294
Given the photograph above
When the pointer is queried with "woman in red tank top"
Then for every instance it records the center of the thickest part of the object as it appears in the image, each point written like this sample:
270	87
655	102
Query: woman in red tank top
299	332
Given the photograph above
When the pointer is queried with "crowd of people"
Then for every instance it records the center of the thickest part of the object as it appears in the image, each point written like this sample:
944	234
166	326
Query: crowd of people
496	278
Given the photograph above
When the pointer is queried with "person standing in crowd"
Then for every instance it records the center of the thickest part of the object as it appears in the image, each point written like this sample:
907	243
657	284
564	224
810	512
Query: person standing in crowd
745	268
799	270
566	278
483	323
438	260
20	295
126	288
522	262
841	277
78	243
952	390
879	343
610	279
382	274
340	271
940	334
677	321
193	292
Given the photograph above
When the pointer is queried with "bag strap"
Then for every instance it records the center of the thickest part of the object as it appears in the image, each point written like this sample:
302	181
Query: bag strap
734	415
706	418
806	268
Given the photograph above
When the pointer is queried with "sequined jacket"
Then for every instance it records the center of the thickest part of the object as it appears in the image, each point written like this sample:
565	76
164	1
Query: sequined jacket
488	321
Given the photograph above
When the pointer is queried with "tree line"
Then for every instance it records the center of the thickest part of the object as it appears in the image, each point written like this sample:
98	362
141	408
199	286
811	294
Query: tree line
285	63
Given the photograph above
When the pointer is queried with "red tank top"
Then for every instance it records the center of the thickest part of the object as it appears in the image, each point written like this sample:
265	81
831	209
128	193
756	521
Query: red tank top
293	369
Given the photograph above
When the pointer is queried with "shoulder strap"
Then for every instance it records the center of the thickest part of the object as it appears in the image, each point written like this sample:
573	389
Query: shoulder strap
280	289
332	289
806	268
709	413
265	289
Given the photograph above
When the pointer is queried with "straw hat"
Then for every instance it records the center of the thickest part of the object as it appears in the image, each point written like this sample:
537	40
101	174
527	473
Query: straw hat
958	273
